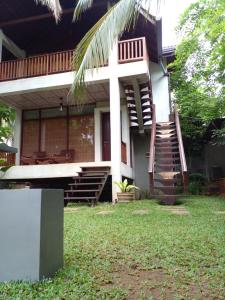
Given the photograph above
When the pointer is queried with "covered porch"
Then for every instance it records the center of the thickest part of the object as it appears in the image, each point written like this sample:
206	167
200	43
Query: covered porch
56	138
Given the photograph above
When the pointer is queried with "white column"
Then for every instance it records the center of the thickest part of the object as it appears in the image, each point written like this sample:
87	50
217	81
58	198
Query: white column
115	120
115	130
17	134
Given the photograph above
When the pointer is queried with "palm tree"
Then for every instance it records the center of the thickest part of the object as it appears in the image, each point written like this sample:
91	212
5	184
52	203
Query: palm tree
93	50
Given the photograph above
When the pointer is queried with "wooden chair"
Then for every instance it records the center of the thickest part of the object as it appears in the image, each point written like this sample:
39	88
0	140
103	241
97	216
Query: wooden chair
42	158
65	156
28	160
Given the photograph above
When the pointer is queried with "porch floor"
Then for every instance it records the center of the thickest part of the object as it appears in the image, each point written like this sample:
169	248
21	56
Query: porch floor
49	171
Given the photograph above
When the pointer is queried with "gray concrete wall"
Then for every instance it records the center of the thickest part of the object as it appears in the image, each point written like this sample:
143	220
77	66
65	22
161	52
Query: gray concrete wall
214	160
140	147
31	234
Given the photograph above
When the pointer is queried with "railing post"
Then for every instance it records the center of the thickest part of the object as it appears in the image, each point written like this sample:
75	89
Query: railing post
145	52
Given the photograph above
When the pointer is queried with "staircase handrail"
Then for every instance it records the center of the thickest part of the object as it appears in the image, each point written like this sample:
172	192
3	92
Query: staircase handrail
181	150
152	151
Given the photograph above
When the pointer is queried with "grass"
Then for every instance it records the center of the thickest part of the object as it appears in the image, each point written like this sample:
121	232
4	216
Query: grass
140	251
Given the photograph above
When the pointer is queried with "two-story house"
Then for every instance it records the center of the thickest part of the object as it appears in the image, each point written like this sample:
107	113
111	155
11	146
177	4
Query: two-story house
125	114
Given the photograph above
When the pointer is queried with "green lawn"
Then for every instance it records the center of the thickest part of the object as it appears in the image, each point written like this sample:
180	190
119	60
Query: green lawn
139	250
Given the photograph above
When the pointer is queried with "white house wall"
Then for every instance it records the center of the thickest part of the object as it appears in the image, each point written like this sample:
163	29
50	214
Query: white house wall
140	162
160	90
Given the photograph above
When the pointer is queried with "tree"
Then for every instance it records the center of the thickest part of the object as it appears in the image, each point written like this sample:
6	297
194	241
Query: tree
198	77
7	116
93	50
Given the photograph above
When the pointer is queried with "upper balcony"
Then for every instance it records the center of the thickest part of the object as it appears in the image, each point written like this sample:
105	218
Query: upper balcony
131	50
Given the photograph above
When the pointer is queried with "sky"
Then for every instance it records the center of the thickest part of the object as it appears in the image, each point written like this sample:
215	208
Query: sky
170	15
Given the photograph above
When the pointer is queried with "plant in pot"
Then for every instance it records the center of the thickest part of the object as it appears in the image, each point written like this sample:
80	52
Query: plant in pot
127	191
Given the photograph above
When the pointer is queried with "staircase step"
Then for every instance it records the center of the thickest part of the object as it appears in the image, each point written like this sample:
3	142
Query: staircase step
145	93
167	143
129	94
167	190
81	191
146	114
163	161
145	106
85	183
88	177
167	154
167	168
168	182
100	168
79	198
93	172
166	175
167	149
131	101
144	85
162	124
133	114
165	131
165	136
166	127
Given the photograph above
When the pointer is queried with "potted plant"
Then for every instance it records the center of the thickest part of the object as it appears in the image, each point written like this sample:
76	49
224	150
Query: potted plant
127	191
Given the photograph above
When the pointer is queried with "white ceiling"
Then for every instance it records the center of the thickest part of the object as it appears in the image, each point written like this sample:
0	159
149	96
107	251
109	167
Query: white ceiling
52	98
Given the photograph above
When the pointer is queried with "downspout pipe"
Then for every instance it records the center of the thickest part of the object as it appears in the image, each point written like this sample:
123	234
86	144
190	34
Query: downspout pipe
165	72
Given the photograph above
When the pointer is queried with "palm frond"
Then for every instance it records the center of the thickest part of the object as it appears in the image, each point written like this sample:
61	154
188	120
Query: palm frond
54	6
93	50
81	6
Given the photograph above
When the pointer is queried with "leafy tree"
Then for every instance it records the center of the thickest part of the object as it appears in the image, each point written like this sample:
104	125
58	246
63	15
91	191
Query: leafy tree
198	77
7	116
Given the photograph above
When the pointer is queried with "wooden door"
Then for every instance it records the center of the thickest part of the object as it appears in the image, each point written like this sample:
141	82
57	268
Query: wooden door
106	138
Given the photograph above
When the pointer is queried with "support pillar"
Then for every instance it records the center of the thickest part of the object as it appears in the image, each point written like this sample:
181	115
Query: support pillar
115	130
17	134
115	120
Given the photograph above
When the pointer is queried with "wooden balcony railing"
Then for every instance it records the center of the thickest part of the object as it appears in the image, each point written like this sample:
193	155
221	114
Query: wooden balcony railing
132	50
58	62
7	159
36	65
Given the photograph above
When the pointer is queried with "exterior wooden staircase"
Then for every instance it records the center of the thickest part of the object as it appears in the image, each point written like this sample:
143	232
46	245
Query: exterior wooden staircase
87	186
167	164
145	94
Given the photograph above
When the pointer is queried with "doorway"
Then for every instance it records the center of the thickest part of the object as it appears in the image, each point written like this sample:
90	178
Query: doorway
106	137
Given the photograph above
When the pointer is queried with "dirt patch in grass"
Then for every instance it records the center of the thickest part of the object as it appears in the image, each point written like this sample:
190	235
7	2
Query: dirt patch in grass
71	209
140	212
220	212
141	284
179	210
153	284
105	212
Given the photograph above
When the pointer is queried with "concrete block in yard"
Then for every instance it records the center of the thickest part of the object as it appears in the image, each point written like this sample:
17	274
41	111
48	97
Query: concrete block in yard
31	234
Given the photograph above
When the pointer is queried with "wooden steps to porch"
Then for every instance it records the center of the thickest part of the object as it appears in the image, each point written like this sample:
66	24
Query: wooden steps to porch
167	164
87	186
146	103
